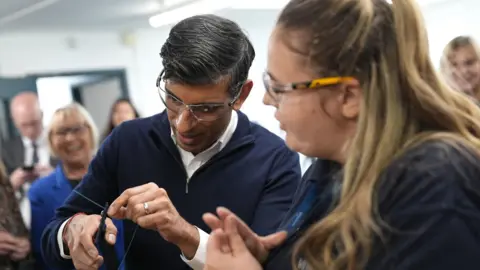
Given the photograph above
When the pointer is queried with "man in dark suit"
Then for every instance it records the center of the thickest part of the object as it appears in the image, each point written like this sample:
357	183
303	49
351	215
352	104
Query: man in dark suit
26	156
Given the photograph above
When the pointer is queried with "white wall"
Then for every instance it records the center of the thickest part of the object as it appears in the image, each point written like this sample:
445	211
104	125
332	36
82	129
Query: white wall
53	93
98	98
448	20
48	52
40	53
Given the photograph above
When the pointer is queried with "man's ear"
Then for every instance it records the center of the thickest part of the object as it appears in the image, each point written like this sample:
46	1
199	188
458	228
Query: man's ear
244	92
351	99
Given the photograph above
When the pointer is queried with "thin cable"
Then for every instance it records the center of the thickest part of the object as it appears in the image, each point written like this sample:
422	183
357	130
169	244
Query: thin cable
88	199
128	248
103	209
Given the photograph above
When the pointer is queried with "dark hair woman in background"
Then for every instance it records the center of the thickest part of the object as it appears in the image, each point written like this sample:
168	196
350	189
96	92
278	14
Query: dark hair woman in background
122	110
396	185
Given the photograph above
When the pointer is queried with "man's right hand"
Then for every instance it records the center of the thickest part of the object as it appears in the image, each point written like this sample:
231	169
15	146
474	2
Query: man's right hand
258	246
19	177
79	236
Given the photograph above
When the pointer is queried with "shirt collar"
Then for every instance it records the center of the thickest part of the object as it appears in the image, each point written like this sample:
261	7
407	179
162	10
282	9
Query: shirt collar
223	139
42	140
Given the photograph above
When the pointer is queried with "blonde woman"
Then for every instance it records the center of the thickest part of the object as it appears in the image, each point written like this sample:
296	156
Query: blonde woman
460	65
73	137
398	186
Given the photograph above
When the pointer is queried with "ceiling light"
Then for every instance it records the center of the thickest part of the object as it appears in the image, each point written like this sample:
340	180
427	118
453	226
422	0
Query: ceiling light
188	10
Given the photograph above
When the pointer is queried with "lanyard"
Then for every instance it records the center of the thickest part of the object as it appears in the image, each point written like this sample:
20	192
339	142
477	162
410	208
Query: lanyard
303	209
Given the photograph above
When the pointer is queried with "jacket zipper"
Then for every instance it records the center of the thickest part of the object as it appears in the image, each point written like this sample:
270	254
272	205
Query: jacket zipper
195	172
184	171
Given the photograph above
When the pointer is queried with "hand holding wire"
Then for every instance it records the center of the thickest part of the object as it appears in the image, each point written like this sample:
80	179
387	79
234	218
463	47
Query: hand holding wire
84	231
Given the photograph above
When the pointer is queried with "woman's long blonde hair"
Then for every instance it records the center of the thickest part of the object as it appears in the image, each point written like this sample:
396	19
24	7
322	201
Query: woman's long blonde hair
405	102
446	66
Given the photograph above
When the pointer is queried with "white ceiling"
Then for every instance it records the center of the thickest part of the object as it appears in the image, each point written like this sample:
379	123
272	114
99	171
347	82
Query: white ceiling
51	15
76	14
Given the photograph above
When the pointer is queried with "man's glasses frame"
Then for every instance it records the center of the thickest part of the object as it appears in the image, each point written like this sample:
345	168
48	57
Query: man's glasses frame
218	109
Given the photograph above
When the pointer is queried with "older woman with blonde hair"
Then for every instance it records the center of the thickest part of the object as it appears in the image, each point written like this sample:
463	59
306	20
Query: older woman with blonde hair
397	182
460	65
73	139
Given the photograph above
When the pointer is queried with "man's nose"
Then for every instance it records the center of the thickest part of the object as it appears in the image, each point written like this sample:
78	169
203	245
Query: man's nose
185	121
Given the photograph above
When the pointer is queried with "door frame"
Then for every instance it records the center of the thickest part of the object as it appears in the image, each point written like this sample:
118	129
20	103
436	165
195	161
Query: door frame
121	74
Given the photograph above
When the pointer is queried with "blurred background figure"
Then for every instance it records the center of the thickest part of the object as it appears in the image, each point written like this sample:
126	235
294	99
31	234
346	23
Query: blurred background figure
73	138
14	238
122	110
26	156
460	65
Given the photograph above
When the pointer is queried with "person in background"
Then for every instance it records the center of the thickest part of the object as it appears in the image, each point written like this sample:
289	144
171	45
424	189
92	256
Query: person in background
122	110
26	156
397	183
73	138
460	65
161	173
14	237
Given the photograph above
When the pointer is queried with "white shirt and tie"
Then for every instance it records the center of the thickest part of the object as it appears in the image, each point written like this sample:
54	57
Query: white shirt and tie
191	163
43	156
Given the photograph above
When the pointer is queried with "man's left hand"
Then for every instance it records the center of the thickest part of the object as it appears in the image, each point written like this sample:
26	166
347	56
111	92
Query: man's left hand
150	207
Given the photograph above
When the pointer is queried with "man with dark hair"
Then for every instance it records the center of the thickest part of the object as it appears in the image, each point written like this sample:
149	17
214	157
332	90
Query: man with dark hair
161	174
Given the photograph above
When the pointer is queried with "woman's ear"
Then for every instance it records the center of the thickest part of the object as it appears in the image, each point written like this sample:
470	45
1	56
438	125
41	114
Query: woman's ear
351	99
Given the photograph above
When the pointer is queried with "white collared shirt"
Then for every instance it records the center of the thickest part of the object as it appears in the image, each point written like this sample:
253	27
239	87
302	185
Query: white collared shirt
191	163
42	150
43	159
194	162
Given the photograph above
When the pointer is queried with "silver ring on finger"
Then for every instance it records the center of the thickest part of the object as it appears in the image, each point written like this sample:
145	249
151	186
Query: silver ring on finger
145	207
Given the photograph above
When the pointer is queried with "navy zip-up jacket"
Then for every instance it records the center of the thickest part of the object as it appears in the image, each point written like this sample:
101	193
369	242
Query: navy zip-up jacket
431	199
255	175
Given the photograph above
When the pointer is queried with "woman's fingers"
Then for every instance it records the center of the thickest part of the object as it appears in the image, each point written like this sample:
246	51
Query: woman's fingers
212	221
243	229
218	242
237	244
273	240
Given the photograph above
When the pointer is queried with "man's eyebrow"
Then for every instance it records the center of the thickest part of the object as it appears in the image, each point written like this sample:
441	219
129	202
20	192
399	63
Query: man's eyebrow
172	94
